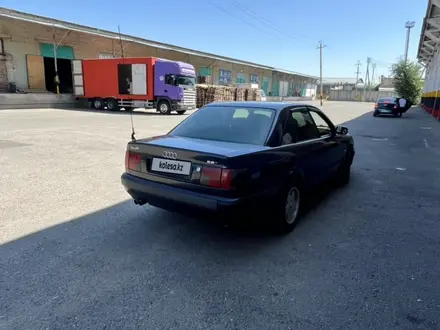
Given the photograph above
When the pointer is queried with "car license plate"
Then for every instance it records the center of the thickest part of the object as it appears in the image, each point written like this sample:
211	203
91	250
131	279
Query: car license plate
386	111
170	166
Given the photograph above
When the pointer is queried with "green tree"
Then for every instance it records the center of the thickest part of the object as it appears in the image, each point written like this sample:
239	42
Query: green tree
407	80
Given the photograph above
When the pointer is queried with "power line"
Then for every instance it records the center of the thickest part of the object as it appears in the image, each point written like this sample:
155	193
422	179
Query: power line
259	18
241	20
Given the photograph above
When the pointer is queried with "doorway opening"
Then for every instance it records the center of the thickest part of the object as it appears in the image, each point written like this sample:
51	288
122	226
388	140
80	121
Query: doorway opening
64	74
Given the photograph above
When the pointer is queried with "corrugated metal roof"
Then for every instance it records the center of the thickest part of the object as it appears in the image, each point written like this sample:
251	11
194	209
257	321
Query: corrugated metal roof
336	80
13	14
294	73
429	36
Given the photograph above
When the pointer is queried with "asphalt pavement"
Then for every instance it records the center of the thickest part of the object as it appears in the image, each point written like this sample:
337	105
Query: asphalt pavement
77	253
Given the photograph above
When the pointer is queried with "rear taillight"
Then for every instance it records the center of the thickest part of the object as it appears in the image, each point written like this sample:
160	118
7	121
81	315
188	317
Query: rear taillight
395	107
216	177
376	106
132	161
226	178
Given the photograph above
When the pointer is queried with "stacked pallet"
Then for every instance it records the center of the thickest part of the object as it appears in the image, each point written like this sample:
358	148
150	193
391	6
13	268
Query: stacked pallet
229	94
253	95
211	93
240	94
215	94
201	95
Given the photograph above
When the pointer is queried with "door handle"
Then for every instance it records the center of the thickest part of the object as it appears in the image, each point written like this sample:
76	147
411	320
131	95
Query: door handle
166	90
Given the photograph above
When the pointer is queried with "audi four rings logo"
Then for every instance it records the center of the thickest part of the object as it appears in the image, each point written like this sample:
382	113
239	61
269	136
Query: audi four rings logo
169	154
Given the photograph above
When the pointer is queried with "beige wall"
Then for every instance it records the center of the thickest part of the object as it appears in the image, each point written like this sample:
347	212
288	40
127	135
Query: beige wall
18	51
25	38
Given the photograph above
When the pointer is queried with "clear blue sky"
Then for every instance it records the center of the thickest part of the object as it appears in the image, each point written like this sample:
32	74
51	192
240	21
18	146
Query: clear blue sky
280	33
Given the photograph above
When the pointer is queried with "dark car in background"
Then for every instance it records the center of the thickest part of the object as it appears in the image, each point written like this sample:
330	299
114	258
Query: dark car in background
390	106
387	106
230	157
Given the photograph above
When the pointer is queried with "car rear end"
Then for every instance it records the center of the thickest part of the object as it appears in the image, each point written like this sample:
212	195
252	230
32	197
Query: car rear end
155	174
203	163
386	106
182	180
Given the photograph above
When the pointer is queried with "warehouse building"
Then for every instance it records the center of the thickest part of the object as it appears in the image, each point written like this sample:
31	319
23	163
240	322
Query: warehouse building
27	57
428	55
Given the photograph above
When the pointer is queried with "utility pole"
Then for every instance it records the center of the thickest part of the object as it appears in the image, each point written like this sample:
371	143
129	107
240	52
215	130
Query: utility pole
372	75
367	77
358	64
408	25
320	47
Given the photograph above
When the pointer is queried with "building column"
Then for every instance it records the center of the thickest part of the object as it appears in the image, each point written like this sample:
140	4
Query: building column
3	74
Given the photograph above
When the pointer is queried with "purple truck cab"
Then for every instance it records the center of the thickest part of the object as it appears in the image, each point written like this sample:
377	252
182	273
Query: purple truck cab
175	82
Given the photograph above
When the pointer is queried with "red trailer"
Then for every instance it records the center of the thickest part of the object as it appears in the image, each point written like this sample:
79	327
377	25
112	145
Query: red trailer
144	82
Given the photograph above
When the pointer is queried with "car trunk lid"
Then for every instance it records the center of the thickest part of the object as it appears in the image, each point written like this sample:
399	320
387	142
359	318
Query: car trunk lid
387	105
172	159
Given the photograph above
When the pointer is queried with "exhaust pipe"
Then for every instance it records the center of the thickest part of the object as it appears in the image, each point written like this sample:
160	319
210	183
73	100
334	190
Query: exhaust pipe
139	202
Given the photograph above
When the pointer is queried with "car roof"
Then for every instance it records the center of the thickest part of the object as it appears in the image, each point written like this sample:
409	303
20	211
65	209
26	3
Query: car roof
278	106
387	98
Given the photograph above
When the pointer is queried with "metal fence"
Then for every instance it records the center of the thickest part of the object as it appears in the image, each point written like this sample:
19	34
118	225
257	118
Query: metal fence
360	95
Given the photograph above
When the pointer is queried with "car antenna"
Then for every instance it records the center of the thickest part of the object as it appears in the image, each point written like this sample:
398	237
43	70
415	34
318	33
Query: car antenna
133	138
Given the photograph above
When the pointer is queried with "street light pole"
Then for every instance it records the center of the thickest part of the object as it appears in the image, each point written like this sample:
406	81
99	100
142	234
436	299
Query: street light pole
408	25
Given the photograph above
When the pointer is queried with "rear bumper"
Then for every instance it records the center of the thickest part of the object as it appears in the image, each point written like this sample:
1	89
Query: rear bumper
387	111
177	199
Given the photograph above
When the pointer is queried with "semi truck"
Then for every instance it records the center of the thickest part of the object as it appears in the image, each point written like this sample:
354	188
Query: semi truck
144	82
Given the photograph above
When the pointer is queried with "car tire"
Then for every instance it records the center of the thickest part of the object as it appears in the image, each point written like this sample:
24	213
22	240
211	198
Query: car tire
164	107
181	112
344	171
288	209
112	105
98	103
375	114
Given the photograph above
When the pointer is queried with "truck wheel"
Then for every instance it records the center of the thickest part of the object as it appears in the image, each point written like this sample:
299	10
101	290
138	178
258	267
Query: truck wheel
112	105
164	107
98	103
181	112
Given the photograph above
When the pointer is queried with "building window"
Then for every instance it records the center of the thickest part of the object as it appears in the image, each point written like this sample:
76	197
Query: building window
255	79
2	47
225	77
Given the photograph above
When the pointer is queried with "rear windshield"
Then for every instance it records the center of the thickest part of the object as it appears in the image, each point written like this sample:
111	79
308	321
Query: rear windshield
387	99
228	124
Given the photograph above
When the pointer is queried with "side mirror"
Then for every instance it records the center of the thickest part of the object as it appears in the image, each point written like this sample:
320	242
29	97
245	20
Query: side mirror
342	130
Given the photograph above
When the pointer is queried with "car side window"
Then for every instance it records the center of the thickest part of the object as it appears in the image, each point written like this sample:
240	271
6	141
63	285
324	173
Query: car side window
299	127
322	125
